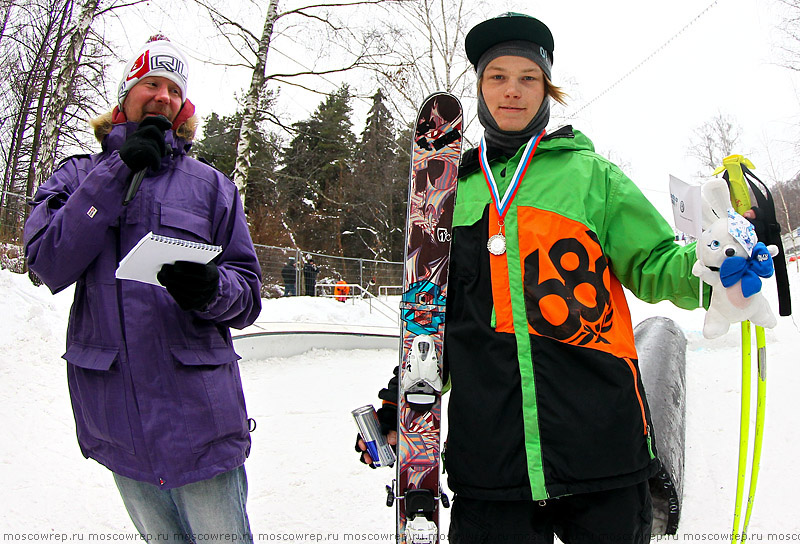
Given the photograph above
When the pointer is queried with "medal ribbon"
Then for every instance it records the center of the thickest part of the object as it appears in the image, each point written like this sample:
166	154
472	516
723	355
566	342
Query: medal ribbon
503	204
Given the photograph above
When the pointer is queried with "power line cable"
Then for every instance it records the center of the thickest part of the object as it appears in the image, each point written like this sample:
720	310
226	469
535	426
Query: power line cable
644	61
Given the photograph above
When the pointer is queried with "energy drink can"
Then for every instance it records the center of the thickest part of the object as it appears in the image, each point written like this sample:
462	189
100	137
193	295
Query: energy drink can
379	450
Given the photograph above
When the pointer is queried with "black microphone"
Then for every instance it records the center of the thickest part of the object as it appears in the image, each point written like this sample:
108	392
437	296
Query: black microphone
136	180
163	124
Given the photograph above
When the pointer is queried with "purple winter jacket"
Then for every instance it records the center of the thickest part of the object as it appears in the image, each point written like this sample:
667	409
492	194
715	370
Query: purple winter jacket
155	390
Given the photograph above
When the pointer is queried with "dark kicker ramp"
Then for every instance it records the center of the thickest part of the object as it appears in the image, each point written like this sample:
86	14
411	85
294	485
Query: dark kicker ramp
661	346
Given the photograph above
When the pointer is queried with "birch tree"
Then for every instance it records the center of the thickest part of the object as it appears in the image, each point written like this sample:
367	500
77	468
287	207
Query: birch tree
787	206
32	48
253	51
5	15
55	86
63	88
244	151
219	146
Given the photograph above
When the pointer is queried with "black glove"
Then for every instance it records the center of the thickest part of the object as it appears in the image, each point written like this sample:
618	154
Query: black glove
359	451
760	225
145	147
387	417
192	285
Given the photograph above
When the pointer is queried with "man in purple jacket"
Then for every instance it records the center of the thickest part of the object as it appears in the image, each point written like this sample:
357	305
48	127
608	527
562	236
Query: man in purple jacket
152	373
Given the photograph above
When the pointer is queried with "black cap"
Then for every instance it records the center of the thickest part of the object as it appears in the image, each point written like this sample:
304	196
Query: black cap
507	27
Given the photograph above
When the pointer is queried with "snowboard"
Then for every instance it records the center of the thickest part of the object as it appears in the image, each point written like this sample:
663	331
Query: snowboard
435	156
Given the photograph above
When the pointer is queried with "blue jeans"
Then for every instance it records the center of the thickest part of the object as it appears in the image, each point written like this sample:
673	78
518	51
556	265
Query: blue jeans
201	511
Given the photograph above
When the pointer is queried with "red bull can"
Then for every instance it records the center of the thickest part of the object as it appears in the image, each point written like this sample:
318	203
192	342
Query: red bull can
378	448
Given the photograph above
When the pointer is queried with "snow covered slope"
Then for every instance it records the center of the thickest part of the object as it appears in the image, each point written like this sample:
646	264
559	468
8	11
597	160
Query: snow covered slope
302	457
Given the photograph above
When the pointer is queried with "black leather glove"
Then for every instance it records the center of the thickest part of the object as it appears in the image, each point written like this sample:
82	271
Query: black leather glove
145	147
192	285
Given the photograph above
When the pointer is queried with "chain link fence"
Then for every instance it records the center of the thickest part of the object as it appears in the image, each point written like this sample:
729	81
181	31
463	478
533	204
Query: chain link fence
12	216
316	273
377	277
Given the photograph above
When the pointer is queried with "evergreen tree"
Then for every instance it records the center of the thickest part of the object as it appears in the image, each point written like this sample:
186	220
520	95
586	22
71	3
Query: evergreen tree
218	146
376	215
317	171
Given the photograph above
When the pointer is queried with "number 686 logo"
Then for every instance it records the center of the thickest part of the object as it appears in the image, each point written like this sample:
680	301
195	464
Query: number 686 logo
567	291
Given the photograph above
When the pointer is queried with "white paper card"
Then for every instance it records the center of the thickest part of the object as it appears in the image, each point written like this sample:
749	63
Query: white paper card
153	251
686	206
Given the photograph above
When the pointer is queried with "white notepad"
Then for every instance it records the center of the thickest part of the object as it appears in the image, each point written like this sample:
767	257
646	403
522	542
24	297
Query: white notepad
153	251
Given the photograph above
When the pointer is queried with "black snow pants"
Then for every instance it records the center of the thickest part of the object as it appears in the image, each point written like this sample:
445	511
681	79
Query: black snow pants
617	515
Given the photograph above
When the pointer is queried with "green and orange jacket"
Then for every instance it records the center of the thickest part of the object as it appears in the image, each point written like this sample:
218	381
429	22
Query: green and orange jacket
546	398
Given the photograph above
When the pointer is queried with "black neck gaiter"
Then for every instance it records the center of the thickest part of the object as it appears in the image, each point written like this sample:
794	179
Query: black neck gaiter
509	142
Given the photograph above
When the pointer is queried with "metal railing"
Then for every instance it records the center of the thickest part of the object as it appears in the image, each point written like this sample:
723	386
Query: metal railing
368	274
383	290
357	292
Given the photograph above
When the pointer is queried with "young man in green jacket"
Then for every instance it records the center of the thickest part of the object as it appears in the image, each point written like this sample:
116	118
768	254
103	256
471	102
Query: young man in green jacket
549	427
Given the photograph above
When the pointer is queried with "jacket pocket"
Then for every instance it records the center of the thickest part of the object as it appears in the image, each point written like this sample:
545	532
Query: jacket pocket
468	250
211	396
99	396
178	222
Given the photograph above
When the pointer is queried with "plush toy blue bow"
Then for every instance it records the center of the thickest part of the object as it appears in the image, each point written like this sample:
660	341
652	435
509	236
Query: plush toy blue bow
759	263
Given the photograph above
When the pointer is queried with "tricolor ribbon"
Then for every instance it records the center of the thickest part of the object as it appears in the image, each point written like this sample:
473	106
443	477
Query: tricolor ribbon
502	204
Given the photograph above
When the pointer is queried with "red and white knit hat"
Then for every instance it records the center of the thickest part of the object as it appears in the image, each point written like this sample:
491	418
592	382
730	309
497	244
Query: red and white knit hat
158	57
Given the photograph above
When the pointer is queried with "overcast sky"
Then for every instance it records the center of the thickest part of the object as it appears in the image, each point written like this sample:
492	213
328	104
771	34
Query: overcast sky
724	62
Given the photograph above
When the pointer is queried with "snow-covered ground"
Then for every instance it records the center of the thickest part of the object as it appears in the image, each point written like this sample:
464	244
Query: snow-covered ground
305	479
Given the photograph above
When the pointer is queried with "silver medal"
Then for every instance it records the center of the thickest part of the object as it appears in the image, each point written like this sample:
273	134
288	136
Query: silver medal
496	244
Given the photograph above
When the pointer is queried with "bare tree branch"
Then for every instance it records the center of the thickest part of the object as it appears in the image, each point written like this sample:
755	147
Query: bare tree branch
713	141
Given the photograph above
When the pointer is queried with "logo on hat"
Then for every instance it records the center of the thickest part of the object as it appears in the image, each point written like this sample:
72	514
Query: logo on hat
140	66
509	27
159	57
170	64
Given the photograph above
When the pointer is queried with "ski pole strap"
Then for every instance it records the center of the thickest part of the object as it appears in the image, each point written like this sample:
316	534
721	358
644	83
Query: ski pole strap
766	205
770	234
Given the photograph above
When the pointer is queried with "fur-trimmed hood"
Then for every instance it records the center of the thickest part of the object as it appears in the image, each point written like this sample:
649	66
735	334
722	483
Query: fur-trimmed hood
103	124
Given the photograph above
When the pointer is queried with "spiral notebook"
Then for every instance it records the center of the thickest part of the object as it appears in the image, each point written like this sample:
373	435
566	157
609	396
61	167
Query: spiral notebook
153	251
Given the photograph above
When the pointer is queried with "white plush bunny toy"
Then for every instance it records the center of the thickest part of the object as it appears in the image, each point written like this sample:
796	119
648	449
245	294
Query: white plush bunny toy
732	260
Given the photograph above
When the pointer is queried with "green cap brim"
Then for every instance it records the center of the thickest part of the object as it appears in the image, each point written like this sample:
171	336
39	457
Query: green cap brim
505	28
